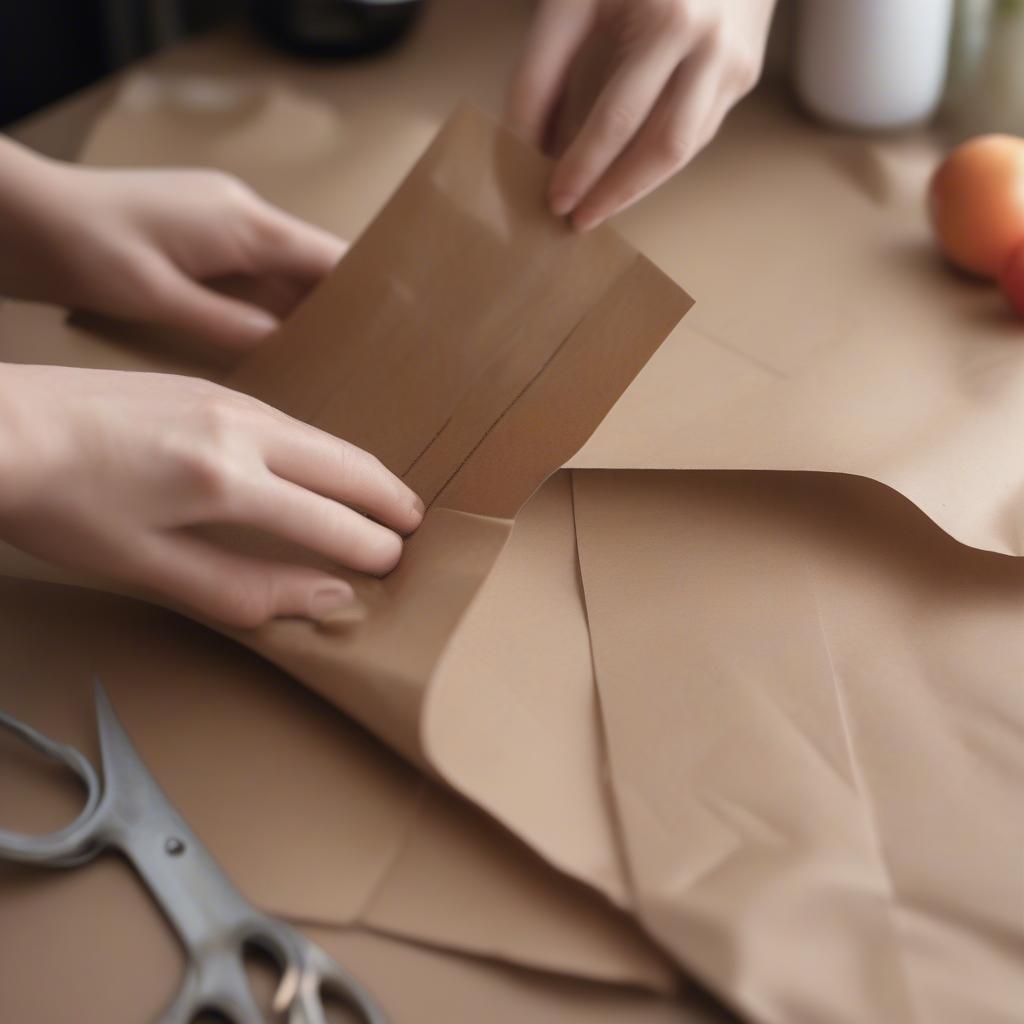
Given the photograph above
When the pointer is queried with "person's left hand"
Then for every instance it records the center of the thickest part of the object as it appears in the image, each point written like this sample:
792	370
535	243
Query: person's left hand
667	73
142	245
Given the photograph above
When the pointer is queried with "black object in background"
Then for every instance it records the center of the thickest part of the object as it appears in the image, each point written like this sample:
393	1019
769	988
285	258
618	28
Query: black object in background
47	48
334	28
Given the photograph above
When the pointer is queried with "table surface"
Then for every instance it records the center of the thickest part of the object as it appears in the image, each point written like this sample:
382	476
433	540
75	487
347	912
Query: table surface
717	227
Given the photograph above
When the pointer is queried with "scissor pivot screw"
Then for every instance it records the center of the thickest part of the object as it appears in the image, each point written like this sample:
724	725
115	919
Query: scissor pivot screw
174	846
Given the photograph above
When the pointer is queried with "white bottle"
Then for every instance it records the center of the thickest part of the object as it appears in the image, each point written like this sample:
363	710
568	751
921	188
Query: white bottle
872	64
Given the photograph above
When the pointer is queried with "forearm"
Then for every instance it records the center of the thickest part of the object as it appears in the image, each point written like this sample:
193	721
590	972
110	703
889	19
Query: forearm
29	184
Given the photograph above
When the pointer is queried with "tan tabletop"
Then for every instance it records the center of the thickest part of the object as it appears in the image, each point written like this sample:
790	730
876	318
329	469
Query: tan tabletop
828	338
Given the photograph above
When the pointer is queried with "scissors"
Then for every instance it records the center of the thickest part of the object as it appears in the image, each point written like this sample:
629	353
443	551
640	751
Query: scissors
129	813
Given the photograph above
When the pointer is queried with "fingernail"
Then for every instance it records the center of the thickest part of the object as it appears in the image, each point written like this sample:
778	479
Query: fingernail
562	203
330	601
348	616
418	508
261	322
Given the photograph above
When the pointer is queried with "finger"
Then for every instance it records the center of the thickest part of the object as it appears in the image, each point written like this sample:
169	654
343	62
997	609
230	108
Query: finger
237	590
620	109
668	140
275	293
557	32
291	247
319	462
327	527
178	301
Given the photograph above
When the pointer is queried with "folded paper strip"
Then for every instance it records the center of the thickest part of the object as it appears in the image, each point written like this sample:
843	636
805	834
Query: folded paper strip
784	557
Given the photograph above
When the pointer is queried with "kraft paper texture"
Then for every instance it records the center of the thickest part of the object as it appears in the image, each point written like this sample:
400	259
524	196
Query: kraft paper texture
751	668
390	862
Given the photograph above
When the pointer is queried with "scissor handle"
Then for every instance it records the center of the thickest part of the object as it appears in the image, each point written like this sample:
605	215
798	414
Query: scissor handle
72	844
311	977
216	981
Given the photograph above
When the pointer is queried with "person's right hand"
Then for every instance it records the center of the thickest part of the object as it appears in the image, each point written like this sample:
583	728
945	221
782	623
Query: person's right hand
669	72
105	470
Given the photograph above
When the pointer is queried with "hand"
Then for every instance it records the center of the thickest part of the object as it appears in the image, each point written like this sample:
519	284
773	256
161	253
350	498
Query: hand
139	244
670	71
104	471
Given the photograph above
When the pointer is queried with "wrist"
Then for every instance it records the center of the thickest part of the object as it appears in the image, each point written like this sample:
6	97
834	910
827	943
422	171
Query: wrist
30	187
25	175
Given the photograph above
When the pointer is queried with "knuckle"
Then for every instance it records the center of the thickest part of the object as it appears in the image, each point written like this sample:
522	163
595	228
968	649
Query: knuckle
221	415
740	63
674	148
228	188
616	122
210	468
744	70
214	423
150	285
208	477
672	16
344	454
373	470
266	228
358	466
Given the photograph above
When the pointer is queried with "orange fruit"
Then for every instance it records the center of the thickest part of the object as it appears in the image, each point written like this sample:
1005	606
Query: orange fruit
976	201
1011	280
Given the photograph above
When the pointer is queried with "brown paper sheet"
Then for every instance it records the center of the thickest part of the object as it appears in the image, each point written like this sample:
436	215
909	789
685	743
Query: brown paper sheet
349	835
535	581
820	880
412	835
810	630
819	632
908	377
828	335
79	930
471	342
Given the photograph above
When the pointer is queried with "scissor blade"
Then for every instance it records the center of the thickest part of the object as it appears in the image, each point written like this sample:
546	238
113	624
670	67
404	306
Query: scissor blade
212	918
127	781
187	882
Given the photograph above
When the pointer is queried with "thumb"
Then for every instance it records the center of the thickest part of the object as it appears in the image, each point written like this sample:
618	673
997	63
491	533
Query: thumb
192	307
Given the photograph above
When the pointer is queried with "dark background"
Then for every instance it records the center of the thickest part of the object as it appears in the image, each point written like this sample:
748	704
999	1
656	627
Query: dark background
49	48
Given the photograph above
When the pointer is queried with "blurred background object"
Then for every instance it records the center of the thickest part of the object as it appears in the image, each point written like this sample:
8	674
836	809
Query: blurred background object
865	64
334	28
985	92
49	48
872	64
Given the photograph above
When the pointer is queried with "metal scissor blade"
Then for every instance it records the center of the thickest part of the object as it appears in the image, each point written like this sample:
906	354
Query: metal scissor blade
121	761
211	917
127	782
140	821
